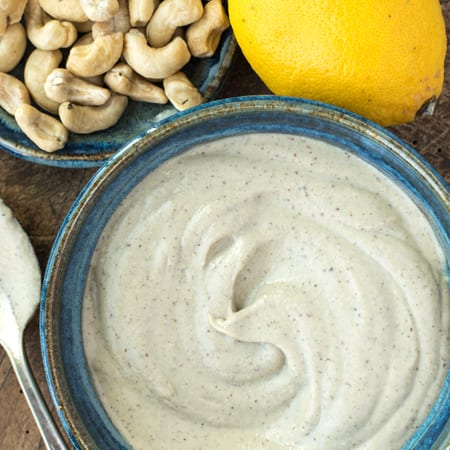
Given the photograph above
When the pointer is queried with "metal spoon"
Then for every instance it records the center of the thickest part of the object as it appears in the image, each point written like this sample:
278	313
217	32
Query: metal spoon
20	284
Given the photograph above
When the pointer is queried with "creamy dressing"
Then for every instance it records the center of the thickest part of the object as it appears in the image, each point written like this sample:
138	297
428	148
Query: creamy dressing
20	276
267	292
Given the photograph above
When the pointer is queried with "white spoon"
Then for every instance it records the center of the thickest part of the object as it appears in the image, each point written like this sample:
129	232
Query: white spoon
20	285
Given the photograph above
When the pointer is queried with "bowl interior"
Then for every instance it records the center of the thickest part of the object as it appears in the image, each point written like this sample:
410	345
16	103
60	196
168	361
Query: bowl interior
93	149
72	390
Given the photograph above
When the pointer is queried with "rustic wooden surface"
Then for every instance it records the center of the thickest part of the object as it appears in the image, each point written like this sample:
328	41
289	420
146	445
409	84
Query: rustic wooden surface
40	196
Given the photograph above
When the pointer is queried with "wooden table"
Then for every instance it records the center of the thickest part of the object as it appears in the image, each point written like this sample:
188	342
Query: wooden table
40	196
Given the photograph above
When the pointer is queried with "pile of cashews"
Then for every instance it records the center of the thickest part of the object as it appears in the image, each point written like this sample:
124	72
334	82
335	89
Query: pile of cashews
116	50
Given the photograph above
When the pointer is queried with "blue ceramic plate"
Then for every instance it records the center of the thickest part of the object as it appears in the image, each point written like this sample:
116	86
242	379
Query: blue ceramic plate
80	411
93	149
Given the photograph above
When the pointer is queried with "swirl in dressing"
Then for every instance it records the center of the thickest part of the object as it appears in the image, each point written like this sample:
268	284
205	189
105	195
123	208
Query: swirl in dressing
266	291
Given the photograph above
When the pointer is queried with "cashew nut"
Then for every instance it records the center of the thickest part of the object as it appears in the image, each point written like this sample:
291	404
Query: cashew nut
61	86
141	11
37	68
157	52
64	10
170	15
45	131
123	80
97	57
100	10
11	12
181	92
46	33
119	23
88	119
12	93
154	63
203	36
12	47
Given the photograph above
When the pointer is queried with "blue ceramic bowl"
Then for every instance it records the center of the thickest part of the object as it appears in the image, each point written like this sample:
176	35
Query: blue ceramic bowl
79	409
94	149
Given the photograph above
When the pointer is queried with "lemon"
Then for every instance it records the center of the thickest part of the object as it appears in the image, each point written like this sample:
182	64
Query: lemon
383	59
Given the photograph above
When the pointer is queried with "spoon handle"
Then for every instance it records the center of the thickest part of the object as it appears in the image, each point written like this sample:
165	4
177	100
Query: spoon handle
47	427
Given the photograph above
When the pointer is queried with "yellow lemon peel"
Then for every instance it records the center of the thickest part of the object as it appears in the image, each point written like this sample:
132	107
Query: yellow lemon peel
381	59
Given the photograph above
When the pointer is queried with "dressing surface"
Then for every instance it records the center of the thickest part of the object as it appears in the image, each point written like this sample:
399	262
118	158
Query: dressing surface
267	291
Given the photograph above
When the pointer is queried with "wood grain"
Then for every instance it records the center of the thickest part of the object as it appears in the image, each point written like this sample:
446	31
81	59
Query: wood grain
40	196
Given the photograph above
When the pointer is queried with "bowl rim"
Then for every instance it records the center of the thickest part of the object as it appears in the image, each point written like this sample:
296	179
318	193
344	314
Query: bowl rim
213	111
